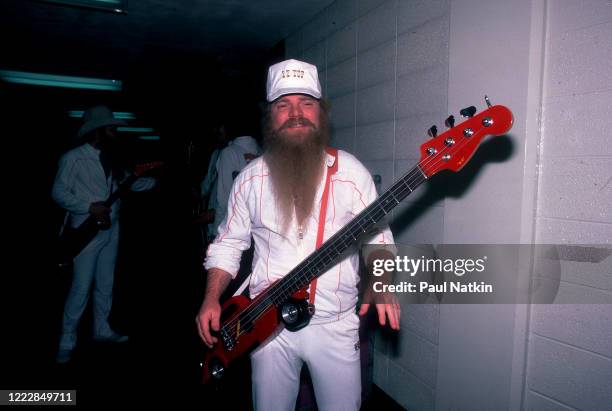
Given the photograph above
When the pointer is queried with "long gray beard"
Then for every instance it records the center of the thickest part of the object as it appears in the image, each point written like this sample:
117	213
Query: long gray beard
296	169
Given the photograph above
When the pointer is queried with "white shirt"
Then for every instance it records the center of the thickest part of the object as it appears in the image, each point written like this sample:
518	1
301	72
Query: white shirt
252	211
211	175
232	159
80	181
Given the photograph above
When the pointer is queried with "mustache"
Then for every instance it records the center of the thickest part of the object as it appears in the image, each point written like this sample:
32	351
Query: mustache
293	122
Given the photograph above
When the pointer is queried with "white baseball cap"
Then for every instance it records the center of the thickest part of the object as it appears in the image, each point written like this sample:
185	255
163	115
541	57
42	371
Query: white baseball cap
292	77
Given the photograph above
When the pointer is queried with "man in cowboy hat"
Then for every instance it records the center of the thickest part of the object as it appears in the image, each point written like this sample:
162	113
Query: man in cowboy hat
278	199
85	179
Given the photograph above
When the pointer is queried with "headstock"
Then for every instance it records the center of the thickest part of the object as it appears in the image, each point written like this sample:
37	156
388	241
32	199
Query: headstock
453	149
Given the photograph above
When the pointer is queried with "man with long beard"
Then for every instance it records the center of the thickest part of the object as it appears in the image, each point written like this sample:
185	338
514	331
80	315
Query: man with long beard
277	200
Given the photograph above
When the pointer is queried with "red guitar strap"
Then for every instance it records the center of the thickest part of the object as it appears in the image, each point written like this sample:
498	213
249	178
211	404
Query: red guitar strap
331	170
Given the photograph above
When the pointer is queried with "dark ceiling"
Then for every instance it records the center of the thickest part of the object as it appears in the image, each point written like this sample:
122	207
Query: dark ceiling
230	33
183	63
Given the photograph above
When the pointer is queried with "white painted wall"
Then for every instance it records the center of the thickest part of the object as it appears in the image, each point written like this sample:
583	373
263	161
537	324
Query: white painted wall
391	69
570	346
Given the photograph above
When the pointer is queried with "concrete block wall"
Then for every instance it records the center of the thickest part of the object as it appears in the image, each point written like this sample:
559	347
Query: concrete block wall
576	155
383	66
569	364
392	68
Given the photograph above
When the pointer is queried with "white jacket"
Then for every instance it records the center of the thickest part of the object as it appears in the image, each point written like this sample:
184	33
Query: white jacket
80	181
232	159
207	185
252	211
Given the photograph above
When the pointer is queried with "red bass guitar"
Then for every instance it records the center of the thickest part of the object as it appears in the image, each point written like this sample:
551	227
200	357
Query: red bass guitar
246	323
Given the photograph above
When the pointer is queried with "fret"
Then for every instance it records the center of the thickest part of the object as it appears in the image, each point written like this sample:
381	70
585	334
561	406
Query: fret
368	212
346	243
392	195
326	255
375	214
332	245
389	206
341	247
278	300
381	207
379	216
303	282
321	263
346	239
293	283
357	232
346	234
407	185
421	170
358	222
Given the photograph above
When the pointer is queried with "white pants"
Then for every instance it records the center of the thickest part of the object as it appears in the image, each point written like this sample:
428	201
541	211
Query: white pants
331	352
94	265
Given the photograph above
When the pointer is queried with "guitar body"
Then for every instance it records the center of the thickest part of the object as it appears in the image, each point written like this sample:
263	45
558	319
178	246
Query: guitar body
74	240
217	359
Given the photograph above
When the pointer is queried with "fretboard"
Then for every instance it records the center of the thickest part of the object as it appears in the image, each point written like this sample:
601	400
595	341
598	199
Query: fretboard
123	186
327	255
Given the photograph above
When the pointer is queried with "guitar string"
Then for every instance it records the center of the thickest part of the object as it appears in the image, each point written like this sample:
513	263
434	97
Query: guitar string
354	231
349	229
324	257
253	313
282	288
246	317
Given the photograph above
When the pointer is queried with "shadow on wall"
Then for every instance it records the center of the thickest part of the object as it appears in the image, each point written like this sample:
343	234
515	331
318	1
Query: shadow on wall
449	184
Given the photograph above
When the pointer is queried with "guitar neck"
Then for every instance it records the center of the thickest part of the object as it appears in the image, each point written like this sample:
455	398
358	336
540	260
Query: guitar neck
325	256
449	151
124	185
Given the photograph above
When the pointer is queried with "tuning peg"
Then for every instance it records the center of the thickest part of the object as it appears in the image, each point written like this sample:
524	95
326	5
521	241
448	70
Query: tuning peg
468	111
450	121
487	101
432	131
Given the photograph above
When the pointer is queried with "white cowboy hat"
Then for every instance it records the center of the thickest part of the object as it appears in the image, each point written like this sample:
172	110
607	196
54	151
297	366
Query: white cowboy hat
96	117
